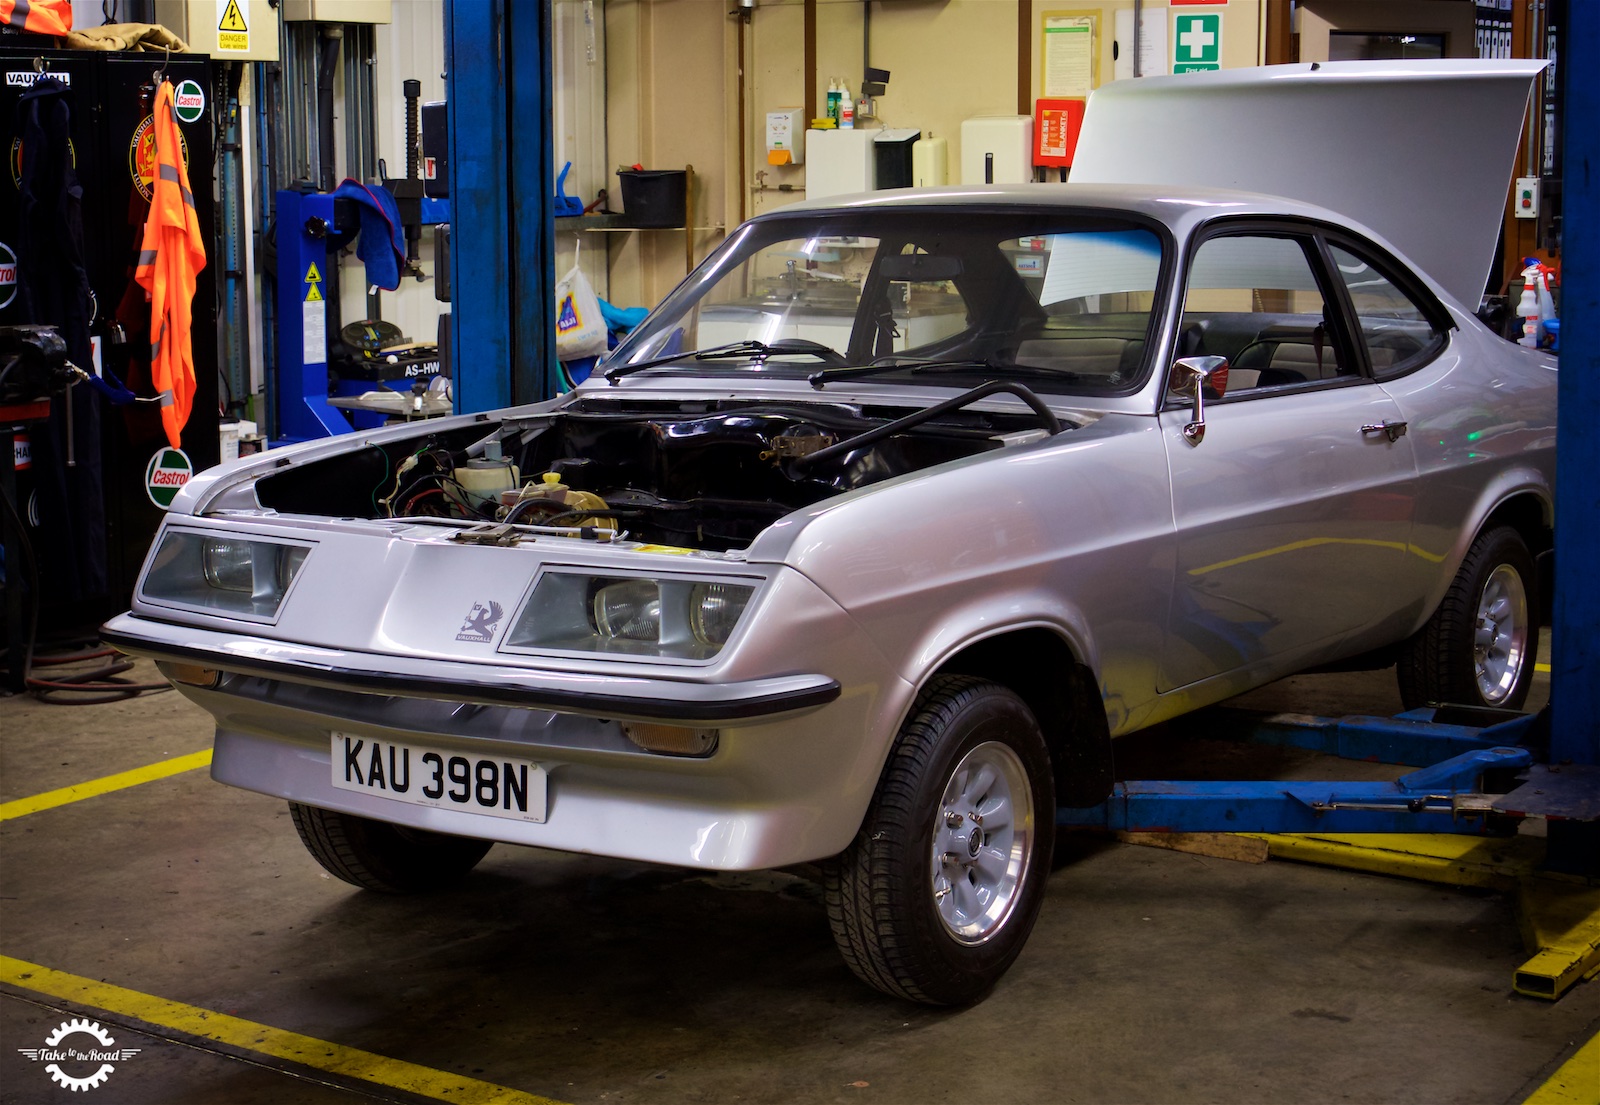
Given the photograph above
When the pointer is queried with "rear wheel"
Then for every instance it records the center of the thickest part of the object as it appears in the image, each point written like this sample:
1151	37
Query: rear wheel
936	895
1480	645
376	855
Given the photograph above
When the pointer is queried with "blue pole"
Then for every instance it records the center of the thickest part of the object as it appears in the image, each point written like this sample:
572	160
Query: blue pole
501	201
478	78
1575	649
532	191
1575	646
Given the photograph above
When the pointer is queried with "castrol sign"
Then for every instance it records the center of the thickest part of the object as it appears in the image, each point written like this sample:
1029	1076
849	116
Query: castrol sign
188	102
8	276
168	471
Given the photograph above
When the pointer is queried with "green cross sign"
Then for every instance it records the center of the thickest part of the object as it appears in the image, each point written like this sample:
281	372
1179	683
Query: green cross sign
1197	42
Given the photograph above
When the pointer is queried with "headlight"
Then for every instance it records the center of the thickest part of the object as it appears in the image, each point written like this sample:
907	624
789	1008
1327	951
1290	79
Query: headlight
229	565
629	610
239	576
682	619
714	610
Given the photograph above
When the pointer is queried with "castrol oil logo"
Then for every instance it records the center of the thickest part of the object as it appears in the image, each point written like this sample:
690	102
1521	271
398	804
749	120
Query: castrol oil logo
8	276
166	474
188	102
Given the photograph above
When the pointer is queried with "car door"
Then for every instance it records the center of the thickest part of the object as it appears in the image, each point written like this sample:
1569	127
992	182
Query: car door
1293	510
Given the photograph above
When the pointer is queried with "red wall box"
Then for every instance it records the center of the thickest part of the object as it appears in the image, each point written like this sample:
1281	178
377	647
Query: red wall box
1055	131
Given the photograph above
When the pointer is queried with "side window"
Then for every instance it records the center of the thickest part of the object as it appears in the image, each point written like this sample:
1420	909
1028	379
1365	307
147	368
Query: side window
1396	330
1254	299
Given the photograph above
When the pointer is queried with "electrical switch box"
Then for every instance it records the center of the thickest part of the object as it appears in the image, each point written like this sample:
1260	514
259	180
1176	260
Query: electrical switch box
785	130
997	149
436	149
839	162
1525	198
234	30
337	11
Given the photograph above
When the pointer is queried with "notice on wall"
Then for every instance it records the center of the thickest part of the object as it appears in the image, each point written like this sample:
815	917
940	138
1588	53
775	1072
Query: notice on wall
233	30
1152	56
1068	46
1196	41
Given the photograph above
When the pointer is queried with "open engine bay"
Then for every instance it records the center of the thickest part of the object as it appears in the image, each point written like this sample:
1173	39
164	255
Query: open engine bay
704	475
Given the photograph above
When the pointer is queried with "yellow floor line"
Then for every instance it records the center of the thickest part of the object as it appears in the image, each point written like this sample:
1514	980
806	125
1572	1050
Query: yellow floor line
262	1039
1542	667
76	793
1576	1083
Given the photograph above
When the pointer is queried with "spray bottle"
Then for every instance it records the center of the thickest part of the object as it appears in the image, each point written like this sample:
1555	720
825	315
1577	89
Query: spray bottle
847	108
1528	305
833	99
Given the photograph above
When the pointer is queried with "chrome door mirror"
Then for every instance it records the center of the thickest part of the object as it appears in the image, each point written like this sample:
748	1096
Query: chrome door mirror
1192	378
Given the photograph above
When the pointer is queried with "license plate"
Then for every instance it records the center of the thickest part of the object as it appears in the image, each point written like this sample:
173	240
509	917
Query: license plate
497	786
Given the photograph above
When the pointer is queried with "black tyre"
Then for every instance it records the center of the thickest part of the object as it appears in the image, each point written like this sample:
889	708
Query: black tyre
929	902
375	855
1479	647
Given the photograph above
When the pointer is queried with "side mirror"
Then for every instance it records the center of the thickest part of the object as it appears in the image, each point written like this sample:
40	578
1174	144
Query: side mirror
1195	377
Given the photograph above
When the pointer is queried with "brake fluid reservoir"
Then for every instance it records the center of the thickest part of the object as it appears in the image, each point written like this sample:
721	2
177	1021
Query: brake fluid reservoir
483	479
552	499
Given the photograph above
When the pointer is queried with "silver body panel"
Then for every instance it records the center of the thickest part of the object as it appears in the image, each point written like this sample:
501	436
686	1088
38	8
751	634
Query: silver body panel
1177	574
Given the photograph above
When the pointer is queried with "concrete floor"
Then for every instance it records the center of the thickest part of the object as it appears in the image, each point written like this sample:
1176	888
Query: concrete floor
1153	976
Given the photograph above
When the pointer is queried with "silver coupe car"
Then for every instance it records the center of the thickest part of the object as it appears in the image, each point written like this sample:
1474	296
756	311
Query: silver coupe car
870	541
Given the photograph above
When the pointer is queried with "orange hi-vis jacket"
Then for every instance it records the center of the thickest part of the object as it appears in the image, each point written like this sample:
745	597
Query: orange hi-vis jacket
172	256
43	17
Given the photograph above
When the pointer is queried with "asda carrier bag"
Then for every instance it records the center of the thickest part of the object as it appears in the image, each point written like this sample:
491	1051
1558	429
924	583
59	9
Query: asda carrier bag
580	328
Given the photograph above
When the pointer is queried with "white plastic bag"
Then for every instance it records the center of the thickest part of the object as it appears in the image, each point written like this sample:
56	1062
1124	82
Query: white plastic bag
580	328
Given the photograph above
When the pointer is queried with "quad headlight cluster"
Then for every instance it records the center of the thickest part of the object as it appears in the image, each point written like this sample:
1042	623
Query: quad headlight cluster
673	618
239	576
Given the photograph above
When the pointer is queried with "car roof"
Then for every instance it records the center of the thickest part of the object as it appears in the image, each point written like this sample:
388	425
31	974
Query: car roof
1181	209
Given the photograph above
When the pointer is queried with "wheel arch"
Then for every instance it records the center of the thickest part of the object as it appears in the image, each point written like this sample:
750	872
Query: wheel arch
1030	661
1520	498
1532	515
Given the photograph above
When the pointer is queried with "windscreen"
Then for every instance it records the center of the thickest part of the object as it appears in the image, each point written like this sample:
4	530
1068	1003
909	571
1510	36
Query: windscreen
1058	299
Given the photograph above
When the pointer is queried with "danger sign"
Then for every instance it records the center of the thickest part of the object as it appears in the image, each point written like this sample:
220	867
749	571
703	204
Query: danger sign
233	32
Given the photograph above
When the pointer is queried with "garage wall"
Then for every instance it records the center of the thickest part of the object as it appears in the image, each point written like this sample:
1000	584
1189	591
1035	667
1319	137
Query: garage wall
673	92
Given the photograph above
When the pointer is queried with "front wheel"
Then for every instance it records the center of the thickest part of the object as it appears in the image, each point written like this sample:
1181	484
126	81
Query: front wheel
376	855
1479	647
936	895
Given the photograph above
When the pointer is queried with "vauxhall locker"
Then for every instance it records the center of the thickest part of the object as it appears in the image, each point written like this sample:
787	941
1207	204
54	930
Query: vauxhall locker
112	147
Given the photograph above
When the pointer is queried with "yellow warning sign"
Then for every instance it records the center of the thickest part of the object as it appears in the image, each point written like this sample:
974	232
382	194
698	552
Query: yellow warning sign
312	275
233	33
313	294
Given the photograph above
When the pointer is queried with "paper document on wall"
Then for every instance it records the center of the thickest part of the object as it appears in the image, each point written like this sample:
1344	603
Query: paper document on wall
1068	55
1152	44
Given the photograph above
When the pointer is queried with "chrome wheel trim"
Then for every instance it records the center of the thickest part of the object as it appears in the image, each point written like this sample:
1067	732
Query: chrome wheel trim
982	843
1500	637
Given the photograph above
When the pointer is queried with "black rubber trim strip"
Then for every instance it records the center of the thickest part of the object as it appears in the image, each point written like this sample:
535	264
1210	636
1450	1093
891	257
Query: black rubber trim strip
495	694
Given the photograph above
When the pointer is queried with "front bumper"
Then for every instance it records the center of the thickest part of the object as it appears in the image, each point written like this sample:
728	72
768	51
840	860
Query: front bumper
789	780
605	696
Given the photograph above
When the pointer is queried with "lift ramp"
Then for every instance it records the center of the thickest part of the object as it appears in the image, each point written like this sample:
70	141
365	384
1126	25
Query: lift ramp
1468	816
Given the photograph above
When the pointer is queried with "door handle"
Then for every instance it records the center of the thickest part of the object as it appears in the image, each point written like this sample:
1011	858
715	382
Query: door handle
1394	431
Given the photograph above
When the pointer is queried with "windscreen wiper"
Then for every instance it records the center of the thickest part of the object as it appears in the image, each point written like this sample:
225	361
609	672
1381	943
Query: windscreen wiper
884	365
758	349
